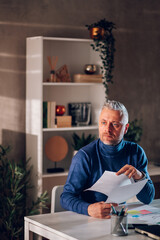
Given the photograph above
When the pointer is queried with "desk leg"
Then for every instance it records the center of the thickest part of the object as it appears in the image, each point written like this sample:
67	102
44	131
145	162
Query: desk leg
28	235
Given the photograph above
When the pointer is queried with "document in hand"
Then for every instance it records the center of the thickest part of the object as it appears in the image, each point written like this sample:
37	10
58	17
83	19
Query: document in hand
118	188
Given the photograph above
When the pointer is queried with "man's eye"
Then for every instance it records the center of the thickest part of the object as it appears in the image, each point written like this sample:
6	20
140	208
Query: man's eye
103	123
116	125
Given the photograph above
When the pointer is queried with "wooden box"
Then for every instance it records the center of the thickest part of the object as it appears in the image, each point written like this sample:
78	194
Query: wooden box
87	78
64	121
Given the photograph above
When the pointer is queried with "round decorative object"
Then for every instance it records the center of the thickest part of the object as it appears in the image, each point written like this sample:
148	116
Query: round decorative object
60	110
96	33
56	148
90	68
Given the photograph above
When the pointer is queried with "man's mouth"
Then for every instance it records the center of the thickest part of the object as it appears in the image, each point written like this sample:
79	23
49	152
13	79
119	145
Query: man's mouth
108	135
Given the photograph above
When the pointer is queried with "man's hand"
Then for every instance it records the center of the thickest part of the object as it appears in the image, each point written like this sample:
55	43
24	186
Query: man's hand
100	210
130	171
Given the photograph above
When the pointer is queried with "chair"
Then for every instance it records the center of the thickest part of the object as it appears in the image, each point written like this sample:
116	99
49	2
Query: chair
55	199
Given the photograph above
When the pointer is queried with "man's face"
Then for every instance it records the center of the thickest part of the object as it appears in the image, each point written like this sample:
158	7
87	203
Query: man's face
111	126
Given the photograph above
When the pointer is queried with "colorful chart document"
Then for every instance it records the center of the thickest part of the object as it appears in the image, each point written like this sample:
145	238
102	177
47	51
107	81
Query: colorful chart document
118	188
144	214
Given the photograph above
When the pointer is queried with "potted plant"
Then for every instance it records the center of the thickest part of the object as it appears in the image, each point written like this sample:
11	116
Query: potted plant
135	131
14	183
104	43
79	142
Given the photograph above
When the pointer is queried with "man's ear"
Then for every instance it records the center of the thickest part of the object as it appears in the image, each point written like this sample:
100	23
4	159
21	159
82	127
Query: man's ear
126	128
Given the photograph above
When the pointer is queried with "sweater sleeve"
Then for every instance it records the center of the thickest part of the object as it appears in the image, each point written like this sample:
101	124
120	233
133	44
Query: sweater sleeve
146	195
76	183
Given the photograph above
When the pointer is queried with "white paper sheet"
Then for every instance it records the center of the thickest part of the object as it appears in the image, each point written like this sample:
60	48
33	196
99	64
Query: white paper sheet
118	188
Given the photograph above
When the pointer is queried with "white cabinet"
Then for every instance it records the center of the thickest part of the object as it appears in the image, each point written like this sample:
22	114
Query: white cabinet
75	53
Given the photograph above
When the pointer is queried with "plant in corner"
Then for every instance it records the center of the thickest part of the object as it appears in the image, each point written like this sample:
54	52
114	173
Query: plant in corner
135	131
104	42
14	183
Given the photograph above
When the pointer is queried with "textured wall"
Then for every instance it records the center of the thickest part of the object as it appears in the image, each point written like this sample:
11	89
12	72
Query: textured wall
137	58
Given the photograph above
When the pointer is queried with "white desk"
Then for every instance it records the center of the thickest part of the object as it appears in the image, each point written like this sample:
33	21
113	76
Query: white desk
73	226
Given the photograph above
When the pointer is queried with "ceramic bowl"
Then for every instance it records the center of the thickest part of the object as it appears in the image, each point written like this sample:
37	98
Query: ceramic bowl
90	68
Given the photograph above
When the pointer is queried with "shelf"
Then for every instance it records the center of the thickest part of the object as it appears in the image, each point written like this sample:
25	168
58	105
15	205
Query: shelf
48	175
75	53
70	84
92	127
63	39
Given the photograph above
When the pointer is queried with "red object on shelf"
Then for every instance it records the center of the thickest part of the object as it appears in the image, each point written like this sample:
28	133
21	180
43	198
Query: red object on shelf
60	110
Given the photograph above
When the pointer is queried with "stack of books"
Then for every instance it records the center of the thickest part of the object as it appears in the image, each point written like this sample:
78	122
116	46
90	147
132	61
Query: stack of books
49	114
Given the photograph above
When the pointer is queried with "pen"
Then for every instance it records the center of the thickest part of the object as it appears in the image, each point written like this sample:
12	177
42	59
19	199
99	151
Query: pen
113	209
125	211
121	213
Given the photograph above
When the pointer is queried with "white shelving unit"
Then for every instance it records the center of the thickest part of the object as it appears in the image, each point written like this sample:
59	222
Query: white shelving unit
75	53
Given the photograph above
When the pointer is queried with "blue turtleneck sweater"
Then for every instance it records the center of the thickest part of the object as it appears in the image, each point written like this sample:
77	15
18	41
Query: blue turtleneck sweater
89	164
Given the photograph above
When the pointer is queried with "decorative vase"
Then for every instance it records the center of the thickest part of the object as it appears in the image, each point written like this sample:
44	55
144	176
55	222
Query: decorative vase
96	33
60	110
90	68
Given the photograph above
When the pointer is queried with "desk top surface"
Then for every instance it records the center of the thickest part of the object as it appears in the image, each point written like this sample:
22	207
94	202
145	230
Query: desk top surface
153	169
73	226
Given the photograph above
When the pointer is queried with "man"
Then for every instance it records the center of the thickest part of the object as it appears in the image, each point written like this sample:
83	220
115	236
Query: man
110	152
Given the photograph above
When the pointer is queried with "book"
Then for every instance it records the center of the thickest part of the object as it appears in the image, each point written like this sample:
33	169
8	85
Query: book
49	113
52	114
45	114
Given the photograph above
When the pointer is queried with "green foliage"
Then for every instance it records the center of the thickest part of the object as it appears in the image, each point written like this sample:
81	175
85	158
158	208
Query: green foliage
106	49
14	183
82	141
135	131
108	26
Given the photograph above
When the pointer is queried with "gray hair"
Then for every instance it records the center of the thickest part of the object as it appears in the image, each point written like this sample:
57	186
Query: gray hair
117	106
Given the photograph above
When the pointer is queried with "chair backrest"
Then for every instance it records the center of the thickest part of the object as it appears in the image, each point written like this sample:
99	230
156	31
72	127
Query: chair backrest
55	199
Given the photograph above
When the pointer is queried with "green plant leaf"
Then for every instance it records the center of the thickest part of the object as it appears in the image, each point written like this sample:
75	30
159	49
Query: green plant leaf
14	185
79	142
106	49
135	131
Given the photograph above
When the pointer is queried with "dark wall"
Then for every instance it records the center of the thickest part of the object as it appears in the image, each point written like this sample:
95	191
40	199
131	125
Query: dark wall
137	58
